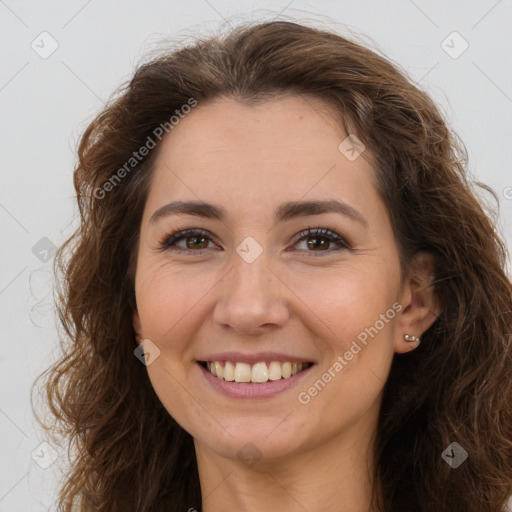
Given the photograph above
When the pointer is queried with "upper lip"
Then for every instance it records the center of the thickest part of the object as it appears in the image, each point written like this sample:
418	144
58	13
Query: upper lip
254	358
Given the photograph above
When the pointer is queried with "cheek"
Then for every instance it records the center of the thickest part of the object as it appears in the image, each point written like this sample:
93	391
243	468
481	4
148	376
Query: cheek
166	302
347	301
357	317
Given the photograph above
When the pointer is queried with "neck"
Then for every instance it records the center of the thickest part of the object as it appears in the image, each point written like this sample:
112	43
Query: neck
335	476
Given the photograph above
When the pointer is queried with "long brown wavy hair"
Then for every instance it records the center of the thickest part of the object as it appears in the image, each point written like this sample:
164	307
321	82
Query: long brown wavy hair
128	452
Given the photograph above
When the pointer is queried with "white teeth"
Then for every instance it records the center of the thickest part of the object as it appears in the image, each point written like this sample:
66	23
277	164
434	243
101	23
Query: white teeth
259	372
219	371
229	372
286	370
242	372
274	371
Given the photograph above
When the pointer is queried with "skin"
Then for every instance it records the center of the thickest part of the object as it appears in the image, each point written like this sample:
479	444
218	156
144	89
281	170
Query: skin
306	302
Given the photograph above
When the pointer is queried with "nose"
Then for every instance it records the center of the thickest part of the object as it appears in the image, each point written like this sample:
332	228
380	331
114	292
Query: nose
252	298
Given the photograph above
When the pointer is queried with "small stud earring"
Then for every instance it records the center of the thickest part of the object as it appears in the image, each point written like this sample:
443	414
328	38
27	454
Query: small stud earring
410	338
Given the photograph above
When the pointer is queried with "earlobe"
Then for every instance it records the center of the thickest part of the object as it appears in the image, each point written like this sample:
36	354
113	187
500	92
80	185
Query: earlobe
420	303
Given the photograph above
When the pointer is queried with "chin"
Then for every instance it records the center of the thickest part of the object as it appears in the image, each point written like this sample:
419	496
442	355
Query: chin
254	440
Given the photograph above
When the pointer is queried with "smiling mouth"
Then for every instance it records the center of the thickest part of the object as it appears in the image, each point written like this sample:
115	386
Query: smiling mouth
253	373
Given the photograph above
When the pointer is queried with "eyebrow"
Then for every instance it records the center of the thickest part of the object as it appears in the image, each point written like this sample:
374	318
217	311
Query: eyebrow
286	211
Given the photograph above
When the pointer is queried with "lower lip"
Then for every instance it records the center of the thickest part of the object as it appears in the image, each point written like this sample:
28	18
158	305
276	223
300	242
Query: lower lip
253	390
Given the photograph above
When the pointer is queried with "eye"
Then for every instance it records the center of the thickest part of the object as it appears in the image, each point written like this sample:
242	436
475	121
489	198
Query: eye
320	239
196	240
199	239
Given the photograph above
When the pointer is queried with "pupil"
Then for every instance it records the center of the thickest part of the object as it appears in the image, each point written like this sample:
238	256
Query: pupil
191	245
313	245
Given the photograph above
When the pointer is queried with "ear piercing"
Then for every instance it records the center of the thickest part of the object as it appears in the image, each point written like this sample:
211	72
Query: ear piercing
410	338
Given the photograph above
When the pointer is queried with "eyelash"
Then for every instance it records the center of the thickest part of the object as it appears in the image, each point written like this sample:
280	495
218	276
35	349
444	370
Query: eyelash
167	242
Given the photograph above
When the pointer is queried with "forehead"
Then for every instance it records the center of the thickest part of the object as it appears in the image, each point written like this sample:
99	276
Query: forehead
287	124
228	151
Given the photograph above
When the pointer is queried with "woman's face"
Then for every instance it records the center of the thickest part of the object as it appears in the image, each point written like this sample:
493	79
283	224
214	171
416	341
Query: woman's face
246	289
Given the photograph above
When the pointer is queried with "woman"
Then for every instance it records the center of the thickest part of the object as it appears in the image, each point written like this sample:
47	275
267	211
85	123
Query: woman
283	294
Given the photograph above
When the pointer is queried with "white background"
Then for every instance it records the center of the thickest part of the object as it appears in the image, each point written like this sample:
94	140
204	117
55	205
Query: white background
46	103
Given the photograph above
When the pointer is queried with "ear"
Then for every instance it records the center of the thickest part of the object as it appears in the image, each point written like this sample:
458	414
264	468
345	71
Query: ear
137	326
420	303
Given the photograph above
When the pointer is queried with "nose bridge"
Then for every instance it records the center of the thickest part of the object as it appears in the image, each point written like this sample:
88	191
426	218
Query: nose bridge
251	276
251	295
